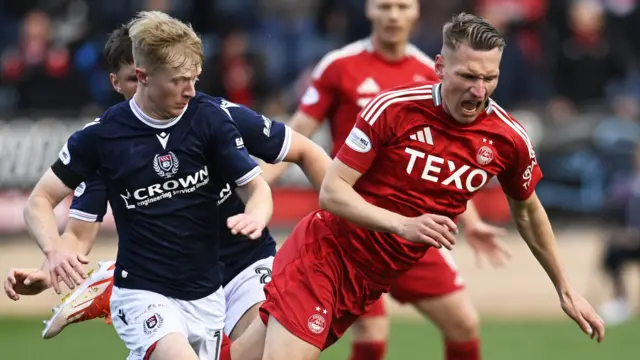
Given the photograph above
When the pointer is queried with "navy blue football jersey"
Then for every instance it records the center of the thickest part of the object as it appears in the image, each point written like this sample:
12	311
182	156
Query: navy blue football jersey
163	181
265	139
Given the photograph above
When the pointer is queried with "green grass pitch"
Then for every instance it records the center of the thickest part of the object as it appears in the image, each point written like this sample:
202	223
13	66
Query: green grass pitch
502	340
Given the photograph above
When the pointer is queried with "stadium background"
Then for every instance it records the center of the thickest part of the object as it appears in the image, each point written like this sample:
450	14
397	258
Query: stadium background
570	74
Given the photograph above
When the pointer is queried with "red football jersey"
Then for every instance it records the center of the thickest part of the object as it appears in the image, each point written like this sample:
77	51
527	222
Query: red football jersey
416	159
345	80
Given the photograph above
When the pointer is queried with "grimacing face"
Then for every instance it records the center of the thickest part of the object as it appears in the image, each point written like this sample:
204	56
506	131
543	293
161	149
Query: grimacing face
124	81
468	78
392	20
169	89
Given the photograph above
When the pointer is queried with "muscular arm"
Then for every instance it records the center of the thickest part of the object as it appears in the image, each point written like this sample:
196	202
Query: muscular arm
38	214
303	126
256	195
338	197
534	227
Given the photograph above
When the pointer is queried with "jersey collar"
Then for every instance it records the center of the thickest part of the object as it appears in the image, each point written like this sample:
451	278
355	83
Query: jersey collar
156	124
437	98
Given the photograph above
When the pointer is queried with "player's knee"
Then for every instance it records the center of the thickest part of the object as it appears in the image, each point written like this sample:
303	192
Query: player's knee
371	329
464	327
172	346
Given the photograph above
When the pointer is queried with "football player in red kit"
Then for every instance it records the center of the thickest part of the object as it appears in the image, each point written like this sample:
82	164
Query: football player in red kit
415	157
343	82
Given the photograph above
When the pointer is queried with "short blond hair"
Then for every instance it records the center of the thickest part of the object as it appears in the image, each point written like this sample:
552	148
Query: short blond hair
161	40
472	31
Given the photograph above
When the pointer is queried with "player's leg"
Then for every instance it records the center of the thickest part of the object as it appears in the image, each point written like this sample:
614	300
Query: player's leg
204	319
244	294
280	343
151	325
89	301
249	346
616	255
369	334
435	288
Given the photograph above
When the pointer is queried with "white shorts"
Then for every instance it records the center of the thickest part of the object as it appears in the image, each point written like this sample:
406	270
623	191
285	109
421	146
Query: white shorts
246	290
141	318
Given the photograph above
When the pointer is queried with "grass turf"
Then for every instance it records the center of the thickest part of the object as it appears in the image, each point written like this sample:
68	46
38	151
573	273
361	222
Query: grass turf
502	340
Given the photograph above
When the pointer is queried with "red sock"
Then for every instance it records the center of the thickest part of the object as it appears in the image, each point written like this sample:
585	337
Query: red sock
225	349
368	350
468	350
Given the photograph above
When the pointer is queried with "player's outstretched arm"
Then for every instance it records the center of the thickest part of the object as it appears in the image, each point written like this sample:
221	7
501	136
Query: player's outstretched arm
256	195
41	223
533	225
303	126
338	197
310	157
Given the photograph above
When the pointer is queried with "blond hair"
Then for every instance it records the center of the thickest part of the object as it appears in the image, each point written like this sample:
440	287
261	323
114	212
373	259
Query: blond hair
472	31
161	40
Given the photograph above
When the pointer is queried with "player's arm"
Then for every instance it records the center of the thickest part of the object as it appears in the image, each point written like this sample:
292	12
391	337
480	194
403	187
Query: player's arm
274	142
77	160
234	161
311	158
518	182
337	195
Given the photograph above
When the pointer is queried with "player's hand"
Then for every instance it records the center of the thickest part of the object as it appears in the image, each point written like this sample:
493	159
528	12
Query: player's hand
583	314
66	265
25	282
483	239
245	225
435	230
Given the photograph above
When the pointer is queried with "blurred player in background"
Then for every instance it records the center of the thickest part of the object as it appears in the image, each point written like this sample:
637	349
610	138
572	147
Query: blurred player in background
623	248
163	156
391	194
343	82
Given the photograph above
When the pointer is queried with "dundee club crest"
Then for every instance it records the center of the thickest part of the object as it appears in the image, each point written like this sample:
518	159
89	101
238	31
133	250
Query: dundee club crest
166	166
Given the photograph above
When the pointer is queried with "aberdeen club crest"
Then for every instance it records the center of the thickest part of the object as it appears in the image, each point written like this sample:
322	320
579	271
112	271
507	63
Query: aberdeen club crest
166	165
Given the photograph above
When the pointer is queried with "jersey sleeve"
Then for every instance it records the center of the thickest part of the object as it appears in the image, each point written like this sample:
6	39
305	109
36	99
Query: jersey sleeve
321	95
89	201
523	173
230	152
369	135
78	159
264	138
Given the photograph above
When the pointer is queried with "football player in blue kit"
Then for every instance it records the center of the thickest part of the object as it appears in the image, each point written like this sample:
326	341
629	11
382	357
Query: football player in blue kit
247	263
163	158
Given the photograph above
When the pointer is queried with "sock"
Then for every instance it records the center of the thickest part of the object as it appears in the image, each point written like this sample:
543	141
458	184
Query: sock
368	350
225	348
468	350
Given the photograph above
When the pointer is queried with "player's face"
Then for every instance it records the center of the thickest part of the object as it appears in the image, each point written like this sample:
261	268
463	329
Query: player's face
170	89
468	77
125	81
392	20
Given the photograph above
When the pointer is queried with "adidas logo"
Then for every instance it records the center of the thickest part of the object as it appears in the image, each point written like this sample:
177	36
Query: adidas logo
424	136
368	86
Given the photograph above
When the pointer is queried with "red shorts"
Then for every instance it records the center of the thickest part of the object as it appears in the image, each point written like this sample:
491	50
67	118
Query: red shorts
434	275
315	292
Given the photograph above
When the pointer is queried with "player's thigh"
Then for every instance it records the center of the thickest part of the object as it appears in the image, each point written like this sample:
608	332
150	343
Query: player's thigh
250	345
453	313
245	321
243	294
280	343
434	275
173	346
205	322
142	318
373	325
